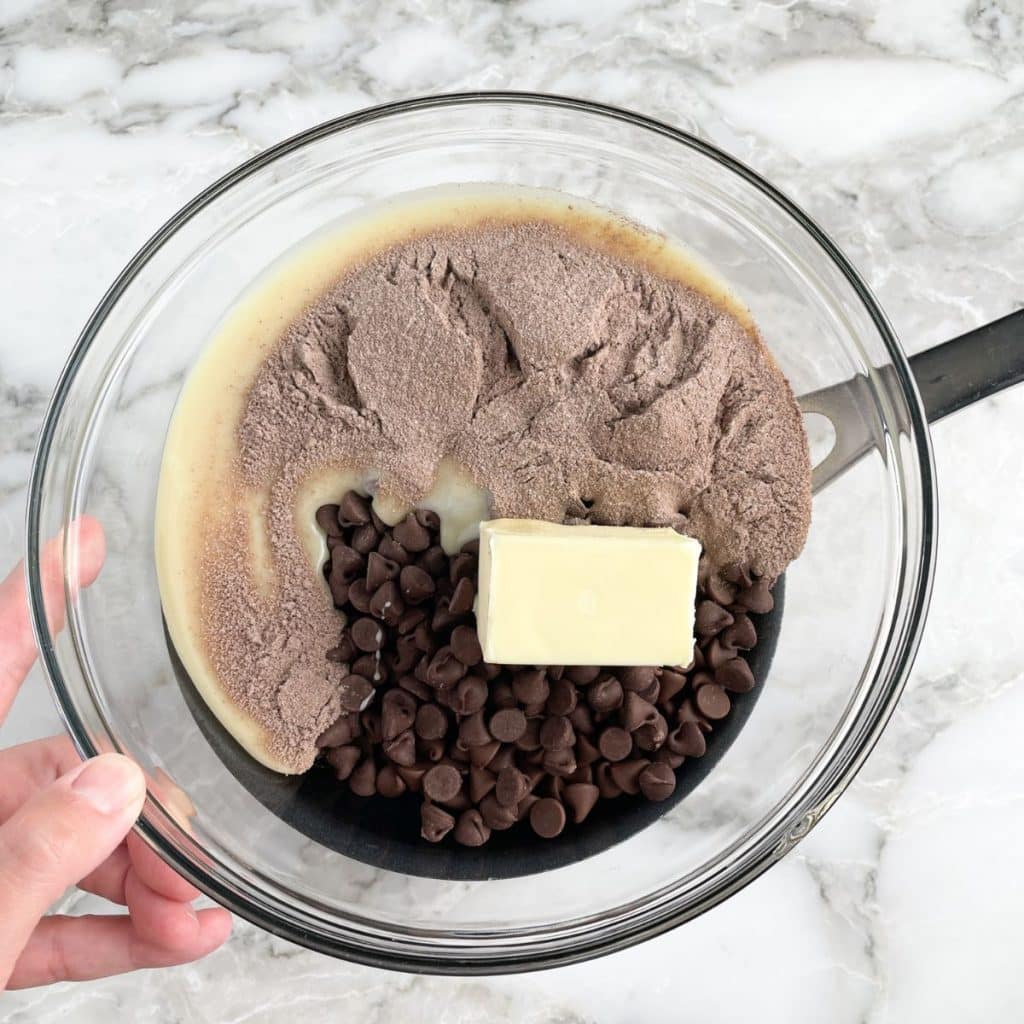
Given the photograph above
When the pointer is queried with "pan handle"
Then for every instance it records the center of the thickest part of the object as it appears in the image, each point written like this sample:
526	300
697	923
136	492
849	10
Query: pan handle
950	376
967	369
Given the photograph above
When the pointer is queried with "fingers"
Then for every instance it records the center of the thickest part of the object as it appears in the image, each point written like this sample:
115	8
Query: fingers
30	767
17	644
58	837
83	948
159	876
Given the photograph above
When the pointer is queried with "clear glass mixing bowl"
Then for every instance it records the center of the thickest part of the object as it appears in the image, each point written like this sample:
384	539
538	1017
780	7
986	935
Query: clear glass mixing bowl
855	600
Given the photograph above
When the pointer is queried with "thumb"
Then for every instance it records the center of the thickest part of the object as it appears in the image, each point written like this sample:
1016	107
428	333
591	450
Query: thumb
59	836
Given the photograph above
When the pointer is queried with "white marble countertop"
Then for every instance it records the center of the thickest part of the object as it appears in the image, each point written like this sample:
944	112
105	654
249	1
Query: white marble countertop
899	124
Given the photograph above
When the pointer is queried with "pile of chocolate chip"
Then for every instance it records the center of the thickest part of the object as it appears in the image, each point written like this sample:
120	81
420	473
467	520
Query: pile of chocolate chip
489	746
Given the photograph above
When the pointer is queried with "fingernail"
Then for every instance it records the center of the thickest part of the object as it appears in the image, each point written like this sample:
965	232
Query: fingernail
110	782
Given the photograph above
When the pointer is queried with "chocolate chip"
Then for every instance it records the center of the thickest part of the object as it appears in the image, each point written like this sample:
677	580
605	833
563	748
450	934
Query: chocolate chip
441	783
327	520
582	720
531	686
417	584
431	722
530	740
586	752
410	619
462	566
463	596
397	713
560	761
484	754
637	712
471	547
428	519
563	697
547	818
472	730
717	652
741	634
605	695
423	638
345	650
412	775
557	733
650	692
354	510
672	760
389	783
406	655
443	617
670	684
735	675
363	781
435	823
434	561
496	815
507	725
606	784
445	669
471	829
687	740
615	743
713	702
365	539
344	730
390	549
466	646
412	534
583	675
505	756
711	619
701	678
379	570
511	786
387	604
370	722
367	635
353	691
580	798
719	590
401	749
653	734
481	782
635	679
431	750
757	598
555	672
343	760
359	596
469	696
627	774
657	781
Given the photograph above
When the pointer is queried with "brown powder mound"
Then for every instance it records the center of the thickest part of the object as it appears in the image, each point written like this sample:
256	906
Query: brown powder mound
569	383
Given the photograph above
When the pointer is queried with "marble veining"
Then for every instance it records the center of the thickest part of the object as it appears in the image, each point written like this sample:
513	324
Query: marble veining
899	125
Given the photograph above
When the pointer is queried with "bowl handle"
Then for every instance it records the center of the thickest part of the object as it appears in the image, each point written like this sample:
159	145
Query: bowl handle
971	367
950	376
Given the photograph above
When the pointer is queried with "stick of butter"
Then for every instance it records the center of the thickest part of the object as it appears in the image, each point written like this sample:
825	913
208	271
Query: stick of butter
585	595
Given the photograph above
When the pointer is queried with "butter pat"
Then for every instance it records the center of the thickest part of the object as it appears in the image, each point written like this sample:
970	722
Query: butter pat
585	595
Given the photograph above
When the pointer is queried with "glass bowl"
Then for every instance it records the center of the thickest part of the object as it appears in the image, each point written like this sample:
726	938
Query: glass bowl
855	599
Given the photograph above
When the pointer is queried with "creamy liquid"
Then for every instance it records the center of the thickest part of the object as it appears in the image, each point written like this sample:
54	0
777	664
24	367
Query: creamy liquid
199	485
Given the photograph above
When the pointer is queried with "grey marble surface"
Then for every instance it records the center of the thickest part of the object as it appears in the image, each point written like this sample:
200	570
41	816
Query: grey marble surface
899	125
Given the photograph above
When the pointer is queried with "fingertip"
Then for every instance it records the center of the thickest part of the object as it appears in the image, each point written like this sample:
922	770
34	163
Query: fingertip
215	926
90	547
169	924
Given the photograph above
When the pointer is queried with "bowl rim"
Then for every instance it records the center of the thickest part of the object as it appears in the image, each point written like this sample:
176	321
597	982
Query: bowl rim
899	646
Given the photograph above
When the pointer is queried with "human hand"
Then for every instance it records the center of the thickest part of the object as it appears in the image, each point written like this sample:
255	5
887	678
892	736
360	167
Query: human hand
64	823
